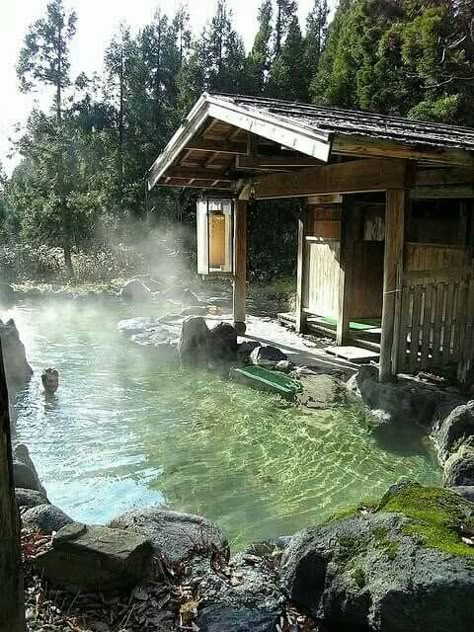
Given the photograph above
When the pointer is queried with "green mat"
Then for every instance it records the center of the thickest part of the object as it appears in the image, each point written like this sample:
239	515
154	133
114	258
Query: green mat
358	326
266	380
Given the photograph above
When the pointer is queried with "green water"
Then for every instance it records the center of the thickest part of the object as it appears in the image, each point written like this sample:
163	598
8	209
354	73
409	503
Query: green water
128	429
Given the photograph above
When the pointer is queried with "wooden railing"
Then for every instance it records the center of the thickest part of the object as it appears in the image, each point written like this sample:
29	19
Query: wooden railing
436	325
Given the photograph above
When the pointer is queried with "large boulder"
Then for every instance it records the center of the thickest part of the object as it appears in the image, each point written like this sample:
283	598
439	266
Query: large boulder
222	343
24	470
401	568
193	342
459	468
135	291
403	401
177	536
455	429
45	518
28	498
267	356
17	370
96	558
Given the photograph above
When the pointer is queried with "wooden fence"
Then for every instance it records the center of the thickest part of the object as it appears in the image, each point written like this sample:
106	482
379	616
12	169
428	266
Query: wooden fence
436	325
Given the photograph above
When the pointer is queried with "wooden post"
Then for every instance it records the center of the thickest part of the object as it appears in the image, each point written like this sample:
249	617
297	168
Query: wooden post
350	233
300	271
393	260
11	595
240	265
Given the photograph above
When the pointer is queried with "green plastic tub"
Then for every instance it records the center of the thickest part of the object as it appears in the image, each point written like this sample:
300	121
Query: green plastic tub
266	380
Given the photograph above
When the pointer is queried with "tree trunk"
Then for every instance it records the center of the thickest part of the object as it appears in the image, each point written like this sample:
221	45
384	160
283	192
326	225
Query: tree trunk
12	611
67	255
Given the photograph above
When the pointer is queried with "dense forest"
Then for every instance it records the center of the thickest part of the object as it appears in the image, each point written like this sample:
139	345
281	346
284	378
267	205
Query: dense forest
77	204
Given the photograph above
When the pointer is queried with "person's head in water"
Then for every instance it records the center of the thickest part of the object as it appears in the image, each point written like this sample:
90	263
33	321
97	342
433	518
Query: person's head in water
50	379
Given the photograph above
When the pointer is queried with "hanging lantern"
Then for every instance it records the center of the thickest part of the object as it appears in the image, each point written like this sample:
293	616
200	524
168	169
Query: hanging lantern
215	243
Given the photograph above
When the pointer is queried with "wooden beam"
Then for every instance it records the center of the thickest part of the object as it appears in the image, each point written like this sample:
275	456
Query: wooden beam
203	184
357	176
12	615
350	232
378	147
440	177
223	147
300	271
460	191
240	265
275	162
392	275
186	173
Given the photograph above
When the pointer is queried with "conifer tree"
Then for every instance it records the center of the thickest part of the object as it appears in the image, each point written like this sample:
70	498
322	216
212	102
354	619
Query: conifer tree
259	59
44	61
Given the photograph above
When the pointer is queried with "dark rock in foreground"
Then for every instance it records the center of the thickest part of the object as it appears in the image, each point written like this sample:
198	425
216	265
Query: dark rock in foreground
193	342
45	518
459	468
96	558
222	343
402	568
29	498
455	429
18	371
177	536
219	619
24	471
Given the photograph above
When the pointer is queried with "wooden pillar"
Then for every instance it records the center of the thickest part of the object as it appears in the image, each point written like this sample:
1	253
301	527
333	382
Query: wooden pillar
11	596
392	277
350	233
300	272
240	265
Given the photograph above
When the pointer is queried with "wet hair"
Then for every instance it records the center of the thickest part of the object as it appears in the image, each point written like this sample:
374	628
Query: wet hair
47	372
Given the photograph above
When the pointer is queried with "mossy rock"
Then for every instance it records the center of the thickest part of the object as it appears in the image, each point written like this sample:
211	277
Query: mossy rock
436	516
401	566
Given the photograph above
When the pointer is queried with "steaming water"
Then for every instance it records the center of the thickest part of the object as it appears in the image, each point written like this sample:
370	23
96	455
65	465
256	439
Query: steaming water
127	429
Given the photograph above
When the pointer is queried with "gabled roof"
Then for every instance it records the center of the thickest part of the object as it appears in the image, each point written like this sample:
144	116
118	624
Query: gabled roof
330	120
212	148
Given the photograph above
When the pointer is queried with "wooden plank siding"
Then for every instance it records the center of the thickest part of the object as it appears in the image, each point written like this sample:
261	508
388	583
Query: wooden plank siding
321	278
438	319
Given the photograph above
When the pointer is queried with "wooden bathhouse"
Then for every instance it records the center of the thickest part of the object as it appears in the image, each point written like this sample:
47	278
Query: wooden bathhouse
386	240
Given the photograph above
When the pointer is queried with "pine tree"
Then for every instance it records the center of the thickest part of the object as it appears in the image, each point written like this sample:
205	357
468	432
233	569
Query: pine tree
315	37
287	78
44	61
286	10
116	61
259	59
217	60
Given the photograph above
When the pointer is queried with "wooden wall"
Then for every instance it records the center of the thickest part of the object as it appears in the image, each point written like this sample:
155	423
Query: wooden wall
322	266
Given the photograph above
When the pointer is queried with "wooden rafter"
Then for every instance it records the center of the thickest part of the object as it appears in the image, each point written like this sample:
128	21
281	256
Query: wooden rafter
377	148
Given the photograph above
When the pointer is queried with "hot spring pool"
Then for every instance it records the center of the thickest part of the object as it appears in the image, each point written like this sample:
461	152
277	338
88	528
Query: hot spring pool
128	430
